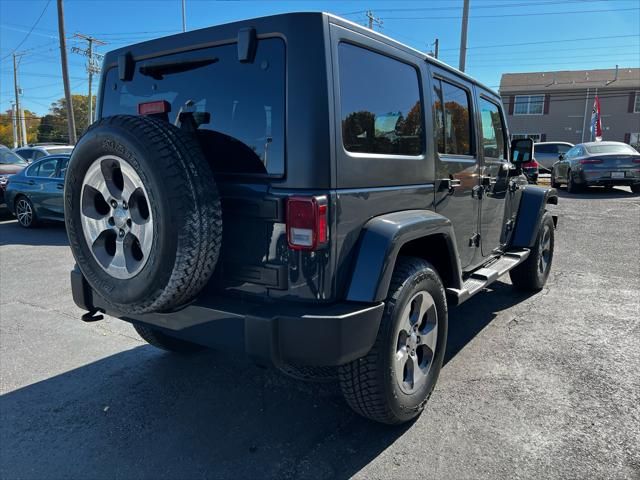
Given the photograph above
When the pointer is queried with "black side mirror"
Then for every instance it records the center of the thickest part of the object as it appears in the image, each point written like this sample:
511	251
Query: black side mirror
561	156
521	151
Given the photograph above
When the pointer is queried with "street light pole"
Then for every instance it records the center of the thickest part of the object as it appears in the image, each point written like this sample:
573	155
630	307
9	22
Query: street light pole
184	16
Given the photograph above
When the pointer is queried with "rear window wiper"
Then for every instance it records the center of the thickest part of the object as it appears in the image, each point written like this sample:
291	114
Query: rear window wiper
158	69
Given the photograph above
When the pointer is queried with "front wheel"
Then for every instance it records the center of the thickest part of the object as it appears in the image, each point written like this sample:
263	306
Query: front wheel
554	182
393	382
532	274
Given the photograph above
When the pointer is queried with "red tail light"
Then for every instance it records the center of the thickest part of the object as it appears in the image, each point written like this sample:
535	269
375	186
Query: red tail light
589	161
151	108
531	164
307	227
636	160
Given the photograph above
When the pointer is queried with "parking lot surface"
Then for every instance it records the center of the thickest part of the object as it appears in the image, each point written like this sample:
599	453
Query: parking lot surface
534	386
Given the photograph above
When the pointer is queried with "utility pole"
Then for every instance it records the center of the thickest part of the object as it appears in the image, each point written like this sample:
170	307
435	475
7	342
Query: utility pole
436	47
184	17
463	35
373	19
65	75
22	142
92	64
15	126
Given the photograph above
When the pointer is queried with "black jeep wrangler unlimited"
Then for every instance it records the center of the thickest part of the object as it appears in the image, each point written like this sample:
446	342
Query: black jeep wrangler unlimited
306	188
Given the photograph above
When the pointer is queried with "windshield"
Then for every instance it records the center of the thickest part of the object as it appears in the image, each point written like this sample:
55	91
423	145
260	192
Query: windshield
611	148
59	150
8	157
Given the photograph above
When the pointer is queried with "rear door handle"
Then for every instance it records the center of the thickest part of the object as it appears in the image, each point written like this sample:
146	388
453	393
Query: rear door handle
31	182
60	186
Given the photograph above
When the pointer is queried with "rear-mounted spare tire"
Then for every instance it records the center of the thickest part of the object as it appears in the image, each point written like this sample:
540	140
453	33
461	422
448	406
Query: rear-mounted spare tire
142	213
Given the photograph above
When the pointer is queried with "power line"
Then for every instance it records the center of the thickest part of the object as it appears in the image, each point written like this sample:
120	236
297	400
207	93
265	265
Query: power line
477	7
541	42
530	14
31	30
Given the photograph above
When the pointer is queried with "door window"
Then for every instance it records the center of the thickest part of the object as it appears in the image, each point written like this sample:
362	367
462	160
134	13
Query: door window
45	168
563	148
452	128
493	138
380	103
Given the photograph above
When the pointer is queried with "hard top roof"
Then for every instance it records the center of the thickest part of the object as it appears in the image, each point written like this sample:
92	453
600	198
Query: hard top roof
335	19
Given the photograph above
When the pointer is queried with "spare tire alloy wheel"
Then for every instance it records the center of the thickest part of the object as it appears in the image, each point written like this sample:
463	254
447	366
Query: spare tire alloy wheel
116	219
143	214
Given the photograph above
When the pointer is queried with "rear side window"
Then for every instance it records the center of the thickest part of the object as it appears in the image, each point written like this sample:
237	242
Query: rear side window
381	111
244	102
551	148
452	120
493	139
45	168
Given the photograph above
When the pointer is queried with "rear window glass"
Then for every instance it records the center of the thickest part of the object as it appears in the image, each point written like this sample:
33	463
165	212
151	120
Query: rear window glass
245	102
381	108
611	148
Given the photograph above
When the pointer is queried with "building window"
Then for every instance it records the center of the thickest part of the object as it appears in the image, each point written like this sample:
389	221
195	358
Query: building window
636	107
536	137
529	105
381	107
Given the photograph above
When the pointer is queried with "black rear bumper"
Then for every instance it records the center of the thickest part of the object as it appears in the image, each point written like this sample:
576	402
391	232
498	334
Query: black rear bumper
270	333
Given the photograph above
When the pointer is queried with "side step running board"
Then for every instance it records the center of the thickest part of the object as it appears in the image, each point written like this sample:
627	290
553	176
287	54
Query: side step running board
486	275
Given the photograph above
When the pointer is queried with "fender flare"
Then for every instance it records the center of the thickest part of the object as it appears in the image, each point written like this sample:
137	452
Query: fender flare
380	242
532	206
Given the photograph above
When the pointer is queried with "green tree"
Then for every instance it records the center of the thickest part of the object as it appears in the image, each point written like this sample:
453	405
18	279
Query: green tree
54	125
6	127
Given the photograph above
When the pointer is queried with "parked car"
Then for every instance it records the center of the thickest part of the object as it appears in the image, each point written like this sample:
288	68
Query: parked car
604	164
37	151
10	163
339	233
547	153
36	193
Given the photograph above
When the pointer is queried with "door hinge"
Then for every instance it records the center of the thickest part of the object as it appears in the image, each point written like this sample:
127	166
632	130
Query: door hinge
474	241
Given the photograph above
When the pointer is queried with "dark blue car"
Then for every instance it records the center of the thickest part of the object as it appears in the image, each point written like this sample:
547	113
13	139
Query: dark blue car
36	193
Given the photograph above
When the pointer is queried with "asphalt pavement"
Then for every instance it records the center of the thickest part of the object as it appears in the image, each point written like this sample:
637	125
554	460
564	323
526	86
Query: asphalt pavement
534	386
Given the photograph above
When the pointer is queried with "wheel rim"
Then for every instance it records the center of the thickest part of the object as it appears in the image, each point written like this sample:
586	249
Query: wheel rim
417	338
24	212
544	250
116	218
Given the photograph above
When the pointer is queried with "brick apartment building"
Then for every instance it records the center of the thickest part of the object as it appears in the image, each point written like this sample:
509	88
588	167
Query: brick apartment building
556	106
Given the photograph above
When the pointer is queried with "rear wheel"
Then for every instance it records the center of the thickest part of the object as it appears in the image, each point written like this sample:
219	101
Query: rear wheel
393	382
166	342
25	213
532	274
572	187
